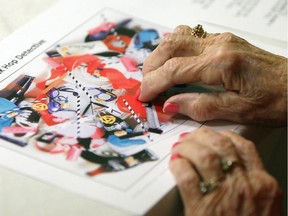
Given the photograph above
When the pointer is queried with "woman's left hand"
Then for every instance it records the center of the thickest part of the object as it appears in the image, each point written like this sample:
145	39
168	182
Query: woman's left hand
222	174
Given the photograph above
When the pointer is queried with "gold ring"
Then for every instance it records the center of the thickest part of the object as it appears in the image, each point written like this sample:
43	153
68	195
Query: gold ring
207	187
198	31
227	165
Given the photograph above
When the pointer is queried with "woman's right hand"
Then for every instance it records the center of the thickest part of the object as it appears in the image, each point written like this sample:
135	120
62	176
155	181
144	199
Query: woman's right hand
255	81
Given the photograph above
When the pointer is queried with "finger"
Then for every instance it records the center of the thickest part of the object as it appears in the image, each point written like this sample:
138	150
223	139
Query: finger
179	45
208	106
173	45
220	143
204	158
178	71
246	151
210	68
183	30
186	179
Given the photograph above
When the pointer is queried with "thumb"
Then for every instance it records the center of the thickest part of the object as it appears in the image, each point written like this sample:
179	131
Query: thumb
206	106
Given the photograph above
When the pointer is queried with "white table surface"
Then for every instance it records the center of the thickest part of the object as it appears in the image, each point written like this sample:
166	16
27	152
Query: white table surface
21	195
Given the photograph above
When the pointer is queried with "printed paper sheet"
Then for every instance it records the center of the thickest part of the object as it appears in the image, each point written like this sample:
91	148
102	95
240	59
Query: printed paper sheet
70	113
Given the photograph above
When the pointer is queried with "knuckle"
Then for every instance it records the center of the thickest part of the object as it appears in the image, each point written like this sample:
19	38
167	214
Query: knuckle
228	48
248	146
228	37
166	45
223	142
227	56
182	29
170	68
204	154
204	130
147	67
268	184
167	42
267	180
199	111
185	180
198	114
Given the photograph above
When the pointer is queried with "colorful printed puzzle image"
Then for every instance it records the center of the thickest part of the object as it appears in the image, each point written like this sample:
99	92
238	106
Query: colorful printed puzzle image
82	107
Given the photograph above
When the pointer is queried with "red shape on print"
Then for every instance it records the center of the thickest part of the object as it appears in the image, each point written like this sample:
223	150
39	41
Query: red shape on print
51	148
96	171
136	105
96	64
118	80
99	133
73	153
57	72
163	117
115	44
48	118
54	73
129	63
72	62
104	27
140	109
41	85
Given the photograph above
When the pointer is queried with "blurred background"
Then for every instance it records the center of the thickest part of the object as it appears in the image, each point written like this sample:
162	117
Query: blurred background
15	13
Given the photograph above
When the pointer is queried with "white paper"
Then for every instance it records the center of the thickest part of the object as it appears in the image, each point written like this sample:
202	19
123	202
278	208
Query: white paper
217	18
260	17
135	190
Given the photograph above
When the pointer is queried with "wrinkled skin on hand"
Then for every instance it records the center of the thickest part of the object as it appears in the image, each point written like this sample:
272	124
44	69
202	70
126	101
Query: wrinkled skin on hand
246	190
255	81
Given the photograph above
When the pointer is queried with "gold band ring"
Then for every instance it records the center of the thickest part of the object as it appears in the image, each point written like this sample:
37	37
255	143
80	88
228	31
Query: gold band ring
207	187
227	165
213	183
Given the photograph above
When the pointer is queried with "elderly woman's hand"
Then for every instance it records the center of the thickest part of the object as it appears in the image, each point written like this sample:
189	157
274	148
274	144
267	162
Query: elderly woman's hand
222	174
255	81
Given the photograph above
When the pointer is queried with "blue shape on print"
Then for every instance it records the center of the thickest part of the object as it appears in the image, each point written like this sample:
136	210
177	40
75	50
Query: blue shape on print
6	113
124	142
145	38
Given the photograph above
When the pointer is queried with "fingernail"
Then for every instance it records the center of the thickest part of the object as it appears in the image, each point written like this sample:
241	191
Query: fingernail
183	134
137	95
171	108
175	144
174	156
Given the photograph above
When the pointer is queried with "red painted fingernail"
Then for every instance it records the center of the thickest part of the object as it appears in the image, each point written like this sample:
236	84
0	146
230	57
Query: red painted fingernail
183	134
137	95
171	108
174	156
175	144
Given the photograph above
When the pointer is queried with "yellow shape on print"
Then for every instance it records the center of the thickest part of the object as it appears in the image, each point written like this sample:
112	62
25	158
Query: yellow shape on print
40	106
65	49
96	73
64	105
120	133
131	161
108	119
